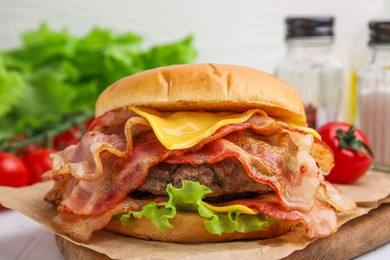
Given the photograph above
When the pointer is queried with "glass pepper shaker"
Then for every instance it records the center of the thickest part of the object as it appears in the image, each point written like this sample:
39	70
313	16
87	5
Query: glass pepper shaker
311	69
373	87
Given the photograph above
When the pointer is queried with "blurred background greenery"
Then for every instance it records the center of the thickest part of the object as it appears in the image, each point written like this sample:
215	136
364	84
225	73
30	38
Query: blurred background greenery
51	82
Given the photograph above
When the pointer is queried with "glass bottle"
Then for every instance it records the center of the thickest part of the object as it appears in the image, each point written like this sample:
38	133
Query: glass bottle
310	68
373	86
360	56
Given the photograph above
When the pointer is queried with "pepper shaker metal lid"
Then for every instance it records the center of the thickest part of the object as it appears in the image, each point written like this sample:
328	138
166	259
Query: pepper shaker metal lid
306	26
379	32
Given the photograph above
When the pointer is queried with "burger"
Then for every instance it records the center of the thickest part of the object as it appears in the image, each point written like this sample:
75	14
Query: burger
196	153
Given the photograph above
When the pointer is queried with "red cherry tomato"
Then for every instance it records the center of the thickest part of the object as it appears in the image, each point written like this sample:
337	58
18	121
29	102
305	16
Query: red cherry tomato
69	137
13	172
37	163
351	148
27	149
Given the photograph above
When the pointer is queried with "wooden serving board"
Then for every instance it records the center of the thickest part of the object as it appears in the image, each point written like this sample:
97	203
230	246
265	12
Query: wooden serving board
356	237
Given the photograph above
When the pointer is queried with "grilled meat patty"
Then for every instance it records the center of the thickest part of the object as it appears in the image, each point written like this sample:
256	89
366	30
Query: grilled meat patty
223	178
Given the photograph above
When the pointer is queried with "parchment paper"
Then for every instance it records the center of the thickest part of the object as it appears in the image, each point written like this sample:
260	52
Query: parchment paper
369	192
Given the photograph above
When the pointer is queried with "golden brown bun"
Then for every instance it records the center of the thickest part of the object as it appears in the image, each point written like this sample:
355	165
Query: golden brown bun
208	87
187	228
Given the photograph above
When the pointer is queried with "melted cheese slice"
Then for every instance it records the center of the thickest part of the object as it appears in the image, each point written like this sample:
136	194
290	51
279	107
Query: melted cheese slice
185	129
182	130
235	207
307	130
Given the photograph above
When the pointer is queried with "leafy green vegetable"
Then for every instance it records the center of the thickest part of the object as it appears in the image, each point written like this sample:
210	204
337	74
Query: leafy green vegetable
158	215
189	198
237	221
55	73
11	88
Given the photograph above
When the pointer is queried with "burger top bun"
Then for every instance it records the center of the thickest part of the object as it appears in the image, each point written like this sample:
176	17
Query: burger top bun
207	87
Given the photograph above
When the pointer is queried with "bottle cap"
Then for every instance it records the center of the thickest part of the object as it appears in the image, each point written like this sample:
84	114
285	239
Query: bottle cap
379	32
306	26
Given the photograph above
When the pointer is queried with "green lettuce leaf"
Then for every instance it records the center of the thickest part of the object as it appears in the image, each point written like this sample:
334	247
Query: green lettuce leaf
11	88
237	221
158	215
189	198
54	73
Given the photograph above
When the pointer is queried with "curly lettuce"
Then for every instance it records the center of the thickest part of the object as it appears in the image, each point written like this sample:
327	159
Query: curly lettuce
190	198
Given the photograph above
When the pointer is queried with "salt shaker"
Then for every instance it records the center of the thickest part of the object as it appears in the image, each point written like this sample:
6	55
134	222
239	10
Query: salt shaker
311	69
373	86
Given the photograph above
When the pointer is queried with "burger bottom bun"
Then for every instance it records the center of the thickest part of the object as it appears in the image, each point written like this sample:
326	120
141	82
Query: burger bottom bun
188	227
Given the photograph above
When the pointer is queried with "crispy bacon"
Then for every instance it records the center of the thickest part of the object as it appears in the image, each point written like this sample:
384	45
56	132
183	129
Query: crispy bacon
93	198
81	227
270	207
290	170
320	221
114	158
330	194
83	160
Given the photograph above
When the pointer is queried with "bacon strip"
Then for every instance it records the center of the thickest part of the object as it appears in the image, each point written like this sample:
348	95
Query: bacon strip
294	181
320	221
93	198
81	227
269	207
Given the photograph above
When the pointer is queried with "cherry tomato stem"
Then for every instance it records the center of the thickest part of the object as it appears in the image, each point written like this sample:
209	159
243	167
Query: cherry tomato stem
351	161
